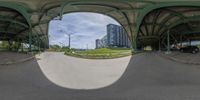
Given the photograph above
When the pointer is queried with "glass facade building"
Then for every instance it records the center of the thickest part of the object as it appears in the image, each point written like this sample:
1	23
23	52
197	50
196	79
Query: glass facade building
100	43
116	37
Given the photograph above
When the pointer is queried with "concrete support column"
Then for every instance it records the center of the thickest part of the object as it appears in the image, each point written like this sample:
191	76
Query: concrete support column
134	45
168	42
159	45
190	42
181	40
30	40
22	46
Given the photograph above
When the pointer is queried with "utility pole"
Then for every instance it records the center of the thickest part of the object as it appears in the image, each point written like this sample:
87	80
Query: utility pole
87	46
69	35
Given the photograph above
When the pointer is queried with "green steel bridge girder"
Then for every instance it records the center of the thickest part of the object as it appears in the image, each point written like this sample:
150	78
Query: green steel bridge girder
69	3
142	12
137	1
115	9
180	21
151	7
175	14
165	21
2	18
186	20
10	24
104	5
155	20
22	9
149	37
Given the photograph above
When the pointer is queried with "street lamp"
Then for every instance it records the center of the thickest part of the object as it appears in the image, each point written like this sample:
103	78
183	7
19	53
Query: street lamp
69	36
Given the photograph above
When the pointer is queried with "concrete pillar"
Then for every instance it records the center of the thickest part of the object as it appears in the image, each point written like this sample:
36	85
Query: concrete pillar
181	40
159	45
168	42
30	40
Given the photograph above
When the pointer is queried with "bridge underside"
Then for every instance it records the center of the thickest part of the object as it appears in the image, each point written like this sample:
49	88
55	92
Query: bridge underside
181	24
157	23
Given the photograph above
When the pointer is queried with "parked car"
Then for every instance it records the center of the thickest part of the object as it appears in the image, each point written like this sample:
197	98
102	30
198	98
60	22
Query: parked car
174	49
190	49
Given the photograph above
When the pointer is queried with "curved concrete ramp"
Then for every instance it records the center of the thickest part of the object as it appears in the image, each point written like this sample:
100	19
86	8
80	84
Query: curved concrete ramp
147	77
78	73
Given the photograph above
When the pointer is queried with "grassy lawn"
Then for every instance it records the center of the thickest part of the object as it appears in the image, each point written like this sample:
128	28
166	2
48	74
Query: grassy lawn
101	53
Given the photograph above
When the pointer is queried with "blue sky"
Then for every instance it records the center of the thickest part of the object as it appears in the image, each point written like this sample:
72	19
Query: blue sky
84	27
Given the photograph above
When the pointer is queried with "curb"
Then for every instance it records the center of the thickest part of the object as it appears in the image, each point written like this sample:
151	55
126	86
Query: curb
180	61
20	61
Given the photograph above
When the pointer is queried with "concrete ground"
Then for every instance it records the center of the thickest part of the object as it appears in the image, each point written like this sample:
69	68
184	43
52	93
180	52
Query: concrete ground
78	73
12	57
188	58
147	77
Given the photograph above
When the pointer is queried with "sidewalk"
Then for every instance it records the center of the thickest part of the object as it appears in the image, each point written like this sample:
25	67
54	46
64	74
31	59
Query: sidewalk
8	58
187	58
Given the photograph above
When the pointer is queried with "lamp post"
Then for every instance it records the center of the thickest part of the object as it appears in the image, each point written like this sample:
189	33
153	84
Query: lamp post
69	36
69	39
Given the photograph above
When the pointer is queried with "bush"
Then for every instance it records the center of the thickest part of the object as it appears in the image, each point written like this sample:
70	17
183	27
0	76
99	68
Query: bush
100	53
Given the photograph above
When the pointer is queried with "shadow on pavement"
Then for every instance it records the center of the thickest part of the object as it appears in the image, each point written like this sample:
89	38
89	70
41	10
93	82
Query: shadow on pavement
144	79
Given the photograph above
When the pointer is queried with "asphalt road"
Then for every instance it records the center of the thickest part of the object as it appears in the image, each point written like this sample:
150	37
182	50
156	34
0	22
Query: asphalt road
147	77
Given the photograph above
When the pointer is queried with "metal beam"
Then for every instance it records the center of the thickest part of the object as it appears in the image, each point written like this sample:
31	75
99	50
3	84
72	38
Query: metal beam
186	20
155	21
179	14
4	31
19	7
103	5
149	37
156	24
146	28
6	19
13	19
160	5
124	10
171	15
141	32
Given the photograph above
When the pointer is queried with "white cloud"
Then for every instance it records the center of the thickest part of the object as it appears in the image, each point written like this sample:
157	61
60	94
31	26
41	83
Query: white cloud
84	27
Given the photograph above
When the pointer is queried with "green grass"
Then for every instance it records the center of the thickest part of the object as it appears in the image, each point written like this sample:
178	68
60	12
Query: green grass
198	46
101	53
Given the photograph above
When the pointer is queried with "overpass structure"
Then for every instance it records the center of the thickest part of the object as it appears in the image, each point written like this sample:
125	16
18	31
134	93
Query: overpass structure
158	23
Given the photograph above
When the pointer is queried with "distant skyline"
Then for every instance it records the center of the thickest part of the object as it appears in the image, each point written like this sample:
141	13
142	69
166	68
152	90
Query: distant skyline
84	27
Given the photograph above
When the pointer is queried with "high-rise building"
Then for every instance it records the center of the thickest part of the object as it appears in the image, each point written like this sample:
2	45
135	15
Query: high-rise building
100	43
116	37
112	34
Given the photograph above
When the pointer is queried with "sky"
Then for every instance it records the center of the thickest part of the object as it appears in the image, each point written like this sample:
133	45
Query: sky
84	28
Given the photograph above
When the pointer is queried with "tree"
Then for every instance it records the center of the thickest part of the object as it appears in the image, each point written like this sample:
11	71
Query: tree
55	47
